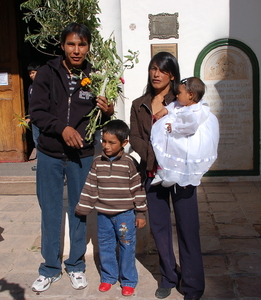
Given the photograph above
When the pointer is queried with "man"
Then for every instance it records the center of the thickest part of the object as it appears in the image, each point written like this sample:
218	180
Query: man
58	107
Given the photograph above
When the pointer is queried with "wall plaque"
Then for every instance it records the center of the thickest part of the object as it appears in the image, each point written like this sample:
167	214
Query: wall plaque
228	72
171	48
163	26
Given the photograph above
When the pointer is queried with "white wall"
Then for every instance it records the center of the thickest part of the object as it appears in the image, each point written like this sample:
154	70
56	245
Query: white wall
200	23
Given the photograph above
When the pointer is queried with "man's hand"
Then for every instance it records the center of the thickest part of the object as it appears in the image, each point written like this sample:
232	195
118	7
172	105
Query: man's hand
72	137
102	103
140	223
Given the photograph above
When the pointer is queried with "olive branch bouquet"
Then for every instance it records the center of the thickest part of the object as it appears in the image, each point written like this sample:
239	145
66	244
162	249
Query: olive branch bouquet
106	78
22	121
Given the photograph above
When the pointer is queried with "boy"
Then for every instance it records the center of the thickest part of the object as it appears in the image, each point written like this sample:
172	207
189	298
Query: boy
32	71
114	188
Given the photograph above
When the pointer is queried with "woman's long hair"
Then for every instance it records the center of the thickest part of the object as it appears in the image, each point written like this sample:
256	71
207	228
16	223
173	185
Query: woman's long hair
167	63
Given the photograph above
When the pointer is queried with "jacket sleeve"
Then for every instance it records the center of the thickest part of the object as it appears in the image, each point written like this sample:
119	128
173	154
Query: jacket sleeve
137	142
89	194
40	105
138	191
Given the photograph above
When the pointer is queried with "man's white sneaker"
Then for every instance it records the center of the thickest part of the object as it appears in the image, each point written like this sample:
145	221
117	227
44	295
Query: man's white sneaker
43	283
78	280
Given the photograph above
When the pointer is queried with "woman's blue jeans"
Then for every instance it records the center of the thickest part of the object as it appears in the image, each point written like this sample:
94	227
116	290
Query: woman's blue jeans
50	185
114	229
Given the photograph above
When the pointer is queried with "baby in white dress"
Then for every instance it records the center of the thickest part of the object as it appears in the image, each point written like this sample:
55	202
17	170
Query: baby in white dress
185	137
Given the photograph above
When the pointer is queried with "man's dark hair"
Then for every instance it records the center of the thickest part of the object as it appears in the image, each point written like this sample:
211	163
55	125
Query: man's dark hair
33	66
118	128
80	29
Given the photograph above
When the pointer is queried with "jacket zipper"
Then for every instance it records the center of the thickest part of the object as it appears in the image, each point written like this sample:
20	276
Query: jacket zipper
69	108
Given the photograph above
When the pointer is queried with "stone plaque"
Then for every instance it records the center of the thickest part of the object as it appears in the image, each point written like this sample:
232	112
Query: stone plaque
228	75
163	26
171	48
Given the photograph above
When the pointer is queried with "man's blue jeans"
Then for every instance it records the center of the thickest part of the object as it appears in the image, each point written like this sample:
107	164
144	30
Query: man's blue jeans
50	185
35	133
113	229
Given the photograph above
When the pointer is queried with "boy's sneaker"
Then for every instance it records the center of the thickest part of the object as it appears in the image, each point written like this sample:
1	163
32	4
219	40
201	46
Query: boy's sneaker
78	280
43	283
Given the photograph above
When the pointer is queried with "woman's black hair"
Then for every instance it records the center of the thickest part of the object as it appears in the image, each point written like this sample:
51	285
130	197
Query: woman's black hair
118	128
80	29
167	63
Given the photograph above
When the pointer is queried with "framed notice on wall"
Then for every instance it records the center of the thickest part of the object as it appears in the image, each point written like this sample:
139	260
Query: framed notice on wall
230	71
171	48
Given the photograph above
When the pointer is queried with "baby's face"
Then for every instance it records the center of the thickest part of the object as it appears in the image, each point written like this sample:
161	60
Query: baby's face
184	97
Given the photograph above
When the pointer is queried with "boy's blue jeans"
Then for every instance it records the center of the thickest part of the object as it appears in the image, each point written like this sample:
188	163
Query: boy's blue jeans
50	186
113	229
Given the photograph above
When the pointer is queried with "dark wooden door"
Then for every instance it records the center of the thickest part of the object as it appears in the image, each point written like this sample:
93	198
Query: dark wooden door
12	137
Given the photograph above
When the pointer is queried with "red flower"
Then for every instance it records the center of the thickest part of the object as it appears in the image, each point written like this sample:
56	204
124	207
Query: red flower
122	80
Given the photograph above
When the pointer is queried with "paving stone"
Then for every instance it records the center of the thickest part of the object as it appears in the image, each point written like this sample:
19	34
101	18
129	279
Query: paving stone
203	207
253	217
205	217
230	231
230	217
247	187
219	287
214	264
254	206
237	230
210	244
24	228
18	188
245	263
249	197
208	229
16	207
249	287
220	197
217	187
224	206
16	243
240	245
258	229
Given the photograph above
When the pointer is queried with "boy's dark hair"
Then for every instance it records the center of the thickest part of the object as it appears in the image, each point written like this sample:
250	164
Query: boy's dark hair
33	66
118	128
196	86
80	29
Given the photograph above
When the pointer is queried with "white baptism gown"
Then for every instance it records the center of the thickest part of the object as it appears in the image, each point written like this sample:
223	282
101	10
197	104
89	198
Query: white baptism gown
188	152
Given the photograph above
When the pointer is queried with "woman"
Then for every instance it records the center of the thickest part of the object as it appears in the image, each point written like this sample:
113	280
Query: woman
162	88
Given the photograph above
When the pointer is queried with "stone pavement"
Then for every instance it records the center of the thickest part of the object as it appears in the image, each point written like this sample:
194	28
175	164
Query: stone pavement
230	214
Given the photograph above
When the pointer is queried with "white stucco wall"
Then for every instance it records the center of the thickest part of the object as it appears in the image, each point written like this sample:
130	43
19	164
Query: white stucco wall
200	23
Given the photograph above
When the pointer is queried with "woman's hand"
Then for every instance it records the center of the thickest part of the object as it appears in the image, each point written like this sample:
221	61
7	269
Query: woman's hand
140	223
163	112
102	103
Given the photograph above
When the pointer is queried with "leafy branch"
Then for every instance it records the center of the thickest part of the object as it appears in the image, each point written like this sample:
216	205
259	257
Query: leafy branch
52	16
106	79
